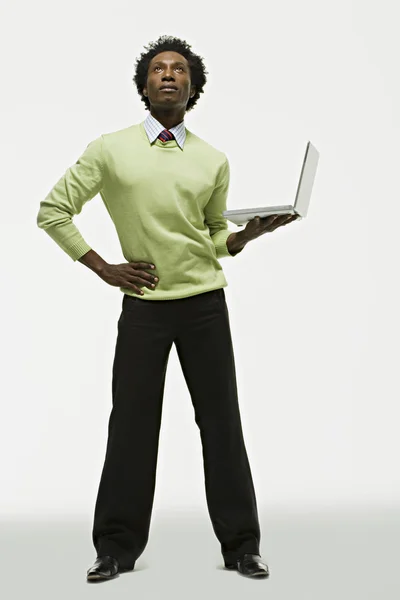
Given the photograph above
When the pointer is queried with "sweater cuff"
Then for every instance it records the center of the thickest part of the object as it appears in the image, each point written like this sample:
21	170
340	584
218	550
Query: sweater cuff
219	240
78	250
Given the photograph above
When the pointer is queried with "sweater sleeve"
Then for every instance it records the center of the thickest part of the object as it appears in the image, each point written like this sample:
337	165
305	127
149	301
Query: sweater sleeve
80	183
217	223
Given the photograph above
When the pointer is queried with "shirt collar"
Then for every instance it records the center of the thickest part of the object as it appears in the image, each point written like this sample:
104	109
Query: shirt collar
153	129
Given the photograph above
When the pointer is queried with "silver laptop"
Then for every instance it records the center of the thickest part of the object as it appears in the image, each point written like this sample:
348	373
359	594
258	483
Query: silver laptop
302	200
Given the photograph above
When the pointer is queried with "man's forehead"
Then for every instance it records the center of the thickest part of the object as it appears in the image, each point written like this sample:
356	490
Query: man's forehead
169	57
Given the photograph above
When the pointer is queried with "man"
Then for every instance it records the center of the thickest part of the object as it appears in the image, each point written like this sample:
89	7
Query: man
165	190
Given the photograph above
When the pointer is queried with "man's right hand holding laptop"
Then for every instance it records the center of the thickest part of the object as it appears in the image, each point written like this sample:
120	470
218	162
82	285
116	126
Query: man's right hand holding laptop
260	225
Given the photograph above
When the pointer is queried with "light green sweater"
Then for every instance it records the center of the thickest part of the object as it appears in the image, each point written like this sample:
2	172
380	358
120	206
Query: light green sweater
166	204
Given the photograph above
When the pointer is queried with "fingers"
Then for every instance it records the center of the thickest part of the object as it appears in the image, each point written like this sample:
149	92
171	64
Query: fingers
280	220
289	219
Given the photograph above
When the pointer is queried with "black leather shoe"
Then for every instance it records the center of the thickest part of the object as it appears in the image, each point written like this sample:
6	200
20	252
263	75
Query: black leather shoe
105	567
250	565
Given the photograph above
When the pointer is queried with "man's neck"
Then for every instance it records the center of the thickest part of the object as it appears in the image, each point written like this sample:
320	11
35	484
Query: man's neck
168	120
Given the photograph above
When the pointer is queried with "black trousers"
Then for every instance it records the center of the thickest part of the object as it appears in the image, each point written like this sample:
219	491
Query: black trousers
199	327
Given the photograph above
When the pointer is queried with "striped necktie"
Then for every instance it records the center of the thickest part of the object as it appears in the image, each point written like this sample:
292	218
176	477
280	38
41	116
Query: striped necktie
166	136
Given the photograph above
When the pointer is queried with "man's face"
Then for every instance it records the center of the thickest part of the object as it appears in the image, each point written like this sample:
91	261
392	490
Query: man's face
168	68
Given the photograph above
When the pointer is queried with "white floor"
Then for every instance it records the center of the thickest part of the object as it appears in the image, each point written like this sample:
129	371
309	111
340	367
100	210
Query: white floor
314	556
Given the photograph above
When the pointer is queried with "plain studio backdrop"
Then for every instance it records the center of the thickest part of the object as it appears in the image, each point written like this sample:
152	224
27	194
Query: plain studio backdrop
313	306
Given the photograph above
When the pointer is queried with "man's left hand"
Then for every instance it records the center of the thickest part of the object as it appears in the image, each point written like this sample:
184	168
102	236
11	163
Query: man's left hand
260	225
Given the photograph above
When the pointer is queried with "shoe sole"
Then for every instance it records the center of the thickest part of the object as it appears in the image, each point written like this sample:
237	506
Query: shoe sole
99	577
258	573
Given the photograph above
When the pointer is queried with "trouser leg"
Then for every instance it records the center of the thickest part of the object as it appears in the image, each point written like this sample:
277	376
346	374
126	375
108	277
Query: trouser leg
126	490
205	351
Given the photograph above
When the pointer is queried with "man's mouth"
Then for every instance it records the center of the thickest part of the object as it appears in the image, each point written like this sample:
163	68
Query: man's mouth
167	88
